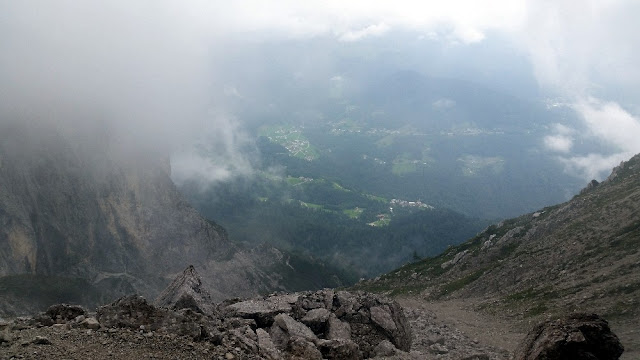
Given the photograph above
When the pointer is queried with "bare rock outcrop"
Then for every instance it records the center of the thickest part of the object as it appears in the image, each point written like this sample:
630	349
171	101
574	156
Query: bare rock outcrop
340	325
578	336
324	324
186	292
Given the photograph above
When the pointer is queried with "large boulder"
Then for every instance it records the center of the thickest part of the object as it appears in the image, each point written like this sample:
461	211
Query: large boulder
577	336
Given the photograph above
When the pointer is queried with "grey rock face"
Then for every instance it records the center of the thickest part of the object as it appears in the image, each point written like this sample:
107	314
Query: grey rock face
82	206
186	292
578	336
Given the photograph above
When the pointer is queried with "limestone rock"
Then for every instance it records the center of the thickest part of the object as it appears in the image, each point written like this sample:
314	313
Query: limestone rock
65	312
263	311
339	349
90	323
130	312
186	291
293	328
577	336
338	329
266	346
301	349
316	319
385	348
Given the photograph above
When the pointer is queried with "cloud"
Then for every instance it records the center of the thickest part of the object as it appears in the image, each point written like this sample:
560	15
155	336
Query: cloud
586	53
562	139
443	104
220	153
145	69
150	66
610	123
460	20
558	143
371	30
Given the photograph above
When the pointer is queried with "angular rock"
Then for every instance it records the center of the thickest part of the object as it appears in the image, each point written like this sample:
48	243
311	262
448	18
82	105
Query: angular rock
60	313
266	347
90	323
263	311
339	349
577	336
245	338
385	348
294	328
316	319
130	312
338	329
301	349
372	319
186	291
381	317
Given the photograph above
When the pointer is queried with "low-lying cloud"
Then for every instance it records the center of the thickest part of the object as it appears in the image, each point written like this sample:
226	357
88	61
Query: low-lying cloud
145	68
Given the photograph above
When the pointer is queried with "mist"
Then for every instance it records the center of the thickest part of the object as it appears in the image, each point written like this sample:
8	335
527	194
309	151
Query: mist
141	73
182	76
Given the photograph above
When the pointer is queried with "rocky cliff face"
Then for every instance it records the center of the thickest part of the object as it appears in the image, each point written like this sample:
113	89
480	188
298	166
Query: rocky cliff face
83	206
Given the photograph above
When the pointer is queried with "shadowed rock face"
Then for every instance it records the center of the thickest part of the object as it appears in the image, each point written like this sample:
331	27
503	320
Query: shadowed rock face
89	210
86	207
578	336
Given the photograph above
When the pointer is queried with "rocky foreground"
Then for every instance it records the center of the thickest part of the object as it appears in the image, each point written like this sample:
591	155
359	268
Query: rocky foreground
184	324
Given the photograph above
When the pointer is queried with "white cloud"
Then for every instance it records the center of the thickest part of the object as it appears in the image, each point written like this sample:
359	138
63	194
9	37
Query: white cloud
594	166
371	30
583	50
611	123
464	20
558	143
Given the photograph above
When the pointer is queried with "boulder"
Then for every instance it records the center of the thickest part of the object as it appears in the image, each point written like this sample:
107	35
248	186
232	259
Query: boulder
65	312
267	349
384	349
263	311
316	319
286	328
577	336
338	329
130	312
134	312
339	349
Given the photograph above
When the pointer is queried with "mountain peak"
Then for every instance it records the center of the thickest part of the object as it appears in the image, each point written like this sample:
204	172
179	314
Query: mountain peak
186	291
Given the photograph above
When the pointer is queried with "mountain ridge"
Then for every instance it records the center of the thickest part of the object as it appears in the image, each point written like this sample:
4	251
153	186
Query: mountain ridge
581	255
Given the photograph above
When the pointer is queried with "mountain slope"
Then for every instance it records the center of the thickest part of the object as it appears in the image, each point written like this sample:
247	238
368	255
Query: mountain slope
73	206
582	255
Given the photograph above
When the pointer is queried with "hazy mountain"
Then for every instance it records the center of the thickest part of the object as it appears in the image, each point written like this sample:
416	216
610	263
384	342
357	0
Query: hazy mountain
85	221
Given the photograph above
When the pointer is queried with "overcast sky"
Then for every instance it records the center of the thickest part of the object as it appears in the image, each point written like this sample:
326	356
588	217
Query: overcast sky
151	65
